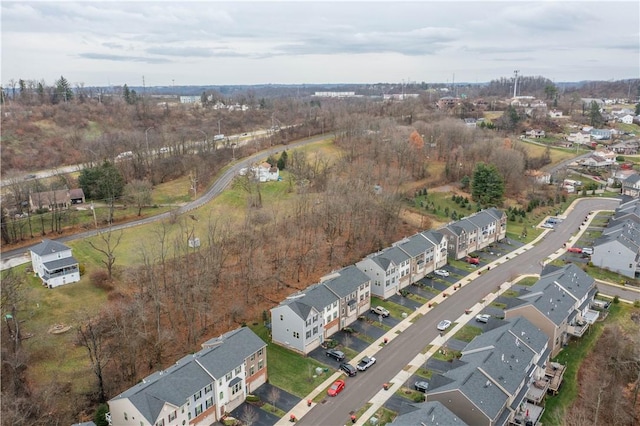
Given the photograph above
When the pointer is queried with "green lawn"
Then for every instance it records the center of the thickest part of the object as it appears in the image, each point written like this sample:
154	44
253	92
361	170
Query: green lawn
289	370
467	333
394	309
572	356
527	281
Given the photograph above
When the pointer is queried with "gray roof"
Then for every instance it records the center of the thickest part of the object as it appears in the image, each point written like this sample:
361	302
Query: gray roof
431	413
48	247
415	245
394	254
631	180
433	236
60	263
317	296
455	229
558	290
467	225
192	373
299	308
347	281
482	218
501	356
626	232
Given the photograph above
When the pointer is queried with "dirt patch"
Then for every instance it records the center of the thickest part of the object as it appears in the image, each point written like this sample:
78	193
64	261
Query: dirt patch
59	329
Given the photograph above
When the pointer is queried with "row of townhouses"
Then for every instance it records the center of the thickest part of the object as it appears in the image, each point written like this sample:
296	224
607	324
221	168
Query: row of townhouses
618	249
504	374
303	321
199	389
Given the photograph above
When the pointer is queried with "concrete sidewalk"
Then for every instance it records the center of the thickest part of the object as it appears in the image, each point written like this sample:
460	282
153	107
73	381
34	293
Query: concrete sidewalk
381	397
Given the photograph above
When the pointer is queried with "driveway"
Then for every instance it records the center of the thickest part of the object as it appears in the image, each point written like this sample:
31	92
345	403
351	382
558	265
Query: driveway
262	417
285	400
400	404
403	301
355	343
419	291
436	284
370	329
455	344
438	365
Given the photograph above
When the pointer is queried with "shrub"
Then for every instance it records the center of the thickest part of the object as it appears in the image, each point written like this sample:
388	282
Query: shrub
99	417
82	269
100	279
616	300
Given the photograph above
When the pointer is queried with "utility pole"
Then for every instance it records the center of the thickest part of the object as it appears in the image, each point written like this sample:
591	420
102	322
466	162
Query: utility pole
515	83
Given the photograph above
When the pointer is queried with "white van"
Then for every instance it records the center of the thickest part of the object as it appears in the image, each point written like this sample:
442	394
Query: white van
587	250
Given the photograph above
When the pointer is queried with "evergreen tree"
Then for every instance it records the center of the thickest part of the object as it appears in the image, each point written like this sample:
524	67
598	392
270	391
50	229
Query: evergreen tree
282	161
595	117
63	92
487	185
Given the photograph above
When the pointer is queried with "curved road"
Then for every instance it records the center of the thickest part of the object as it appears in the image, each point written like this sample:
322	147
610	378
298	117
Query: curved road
12	258
394	357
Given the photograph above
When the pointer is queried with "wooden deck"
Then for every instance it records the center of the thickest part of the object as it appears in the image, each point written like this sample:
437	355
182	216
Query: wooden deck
555	373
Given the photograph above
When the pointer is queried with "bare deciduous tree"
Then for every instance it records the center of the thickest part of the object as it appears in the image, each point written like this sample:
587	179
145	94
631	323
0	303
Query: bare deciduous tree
108	248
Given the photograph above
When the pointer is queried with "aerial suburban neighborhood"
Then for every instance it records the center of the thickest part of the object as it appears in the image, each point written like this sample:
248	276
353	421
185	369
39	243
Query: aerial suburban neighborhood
273	213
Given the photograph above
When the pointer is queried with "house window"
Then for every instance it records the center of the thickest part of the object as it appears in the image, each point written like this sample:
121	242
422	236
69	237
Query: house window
221	396
260	364
220	383
253	356
315	318
172	416
228	376
281	317
335	315
238	370
197	396
252	371
260	352
126	417
209	402
296	335
308	334
328	319
199	409
236	388
208	388
160	423
315	330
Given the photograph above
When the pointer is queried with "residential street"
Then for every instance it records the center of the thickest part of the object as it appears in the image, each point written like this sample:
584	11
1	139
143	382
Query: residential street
395	356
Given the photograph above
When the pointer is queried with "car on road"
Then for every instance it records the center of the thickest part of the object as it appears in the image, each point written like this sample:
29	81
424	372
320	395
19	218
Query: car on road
441	273
336	388
483	318
379	310
421	386
31	176
335	354
444	324
348	369
366	362
574	250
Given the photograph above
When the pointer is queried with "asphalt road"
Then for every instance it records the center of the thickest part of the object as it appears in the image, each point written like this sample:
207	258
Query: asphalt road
395	356
12	258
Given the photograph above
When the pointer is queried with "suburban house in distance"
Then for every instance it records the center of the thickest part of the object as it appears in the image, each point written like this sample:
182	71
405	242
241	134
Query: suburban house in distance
303	321
475	232
56	200
198	389
490	382
559	304
618	248
54	264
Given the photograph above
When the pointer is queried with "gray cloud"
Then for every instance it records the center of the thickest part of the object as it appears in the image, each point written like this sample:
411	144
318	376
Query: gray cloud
122	58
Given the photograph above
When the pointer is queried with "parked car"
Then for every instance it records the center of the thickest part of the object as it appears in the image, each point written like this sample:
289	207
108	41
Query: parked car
379	310
335	354
547	225
441	273
366	362
587	250
574	250
421	386
348	369
444	324
336	387
483	318
472	260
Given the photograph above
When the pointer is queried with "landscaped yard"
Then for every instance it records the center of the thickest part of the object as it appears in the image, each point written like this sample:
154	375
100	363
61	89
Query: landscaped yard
289	370
467	333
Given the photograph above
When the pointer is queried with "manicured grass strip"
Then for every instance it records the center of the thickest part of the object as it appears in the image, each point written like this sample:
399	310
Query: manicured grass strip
384	416
467	333
527	281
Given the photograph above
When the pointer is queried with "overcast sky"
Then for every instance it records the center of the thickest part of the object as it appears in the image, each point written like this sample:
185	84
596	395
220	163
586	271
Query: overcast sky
105	42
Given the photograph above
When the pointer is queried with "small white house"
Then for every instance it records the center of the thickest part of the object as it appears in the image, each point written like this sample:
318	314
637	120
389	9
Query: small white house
265	172
54	264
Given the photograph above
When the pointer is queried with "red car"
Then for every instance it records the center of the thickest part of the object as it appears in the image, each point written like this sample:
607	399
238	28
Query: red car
574	250
336	388
473	260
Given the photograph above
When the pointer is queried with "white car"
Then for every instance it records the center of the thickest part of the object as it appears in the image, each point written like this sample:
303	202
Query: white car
379	310
365	363
483	318
441	273
444	324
